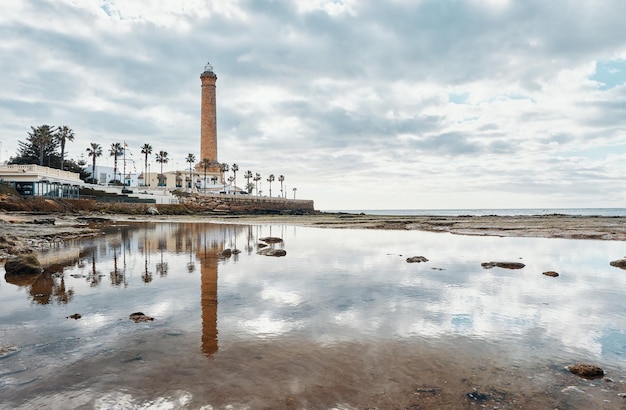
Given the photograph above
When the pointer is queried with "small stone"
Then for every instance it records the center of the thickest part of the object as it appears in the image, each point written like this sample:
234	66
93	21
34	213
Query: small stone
619	263
416	259
272	252
551	273
586	371
75	316
138	317
505	265
271	239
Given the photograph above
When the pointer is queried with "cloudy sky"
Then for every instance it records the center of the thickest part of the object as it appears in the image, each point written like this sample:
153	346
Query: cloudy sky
359	104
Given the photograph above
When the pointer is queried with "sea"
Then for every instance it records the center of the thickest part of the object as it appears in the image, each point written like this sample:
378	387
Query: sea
488	211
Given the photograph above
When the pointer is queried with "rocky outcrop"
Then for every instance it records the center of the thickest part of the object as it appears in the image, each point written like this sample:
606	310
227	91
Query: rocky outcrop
272	252
505	265
551	273
586	371
139	317
416	259
26	264
271	239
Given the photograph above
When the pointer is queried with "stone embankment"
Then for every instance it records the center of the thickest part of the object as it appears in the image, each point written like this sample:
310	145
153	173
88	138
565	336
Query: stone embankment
246	204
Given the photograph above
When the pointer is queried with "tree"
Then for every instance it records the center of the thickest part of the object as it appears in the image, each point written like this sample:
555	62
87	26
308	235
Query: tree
205	164
94	151
271	179
294	192
116	151
39	145
249	187
256	180
63	134
214	179
235	168
247	175
224	169
146	150
191	159
162	158
281	179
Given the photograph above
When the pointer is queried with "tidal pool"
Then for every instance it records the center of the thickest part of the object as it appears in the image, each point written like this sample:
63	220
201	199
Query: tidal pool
342	321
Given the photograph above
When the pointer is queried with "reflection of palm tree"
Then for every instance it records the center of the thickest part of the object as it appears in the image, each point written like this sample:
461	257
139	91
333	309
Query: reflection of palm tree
147	275
117	277
94	277
161	267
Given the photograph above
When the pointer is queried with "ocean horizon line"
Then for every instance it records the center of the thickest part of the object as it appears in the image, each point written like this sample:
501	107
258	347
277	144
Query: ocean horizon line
486	211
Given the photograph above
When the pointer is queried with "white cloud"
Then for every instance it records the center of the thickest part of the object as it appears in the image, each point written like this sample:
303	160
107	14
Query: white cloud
339	92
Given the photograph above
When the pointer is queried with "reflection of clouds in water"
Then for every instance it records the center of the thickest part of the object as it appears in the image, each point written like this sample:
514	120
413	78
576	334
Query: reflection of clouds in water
266	325
356	282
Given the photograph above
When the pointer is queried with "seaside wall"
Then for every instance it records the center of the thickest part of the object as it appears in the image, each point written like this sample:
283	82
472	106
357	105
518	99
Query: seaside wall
246	203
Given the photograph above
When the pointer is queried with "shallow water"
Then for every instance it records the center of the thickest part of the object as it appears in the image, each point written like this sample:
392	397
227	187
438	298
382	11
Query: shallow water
342	321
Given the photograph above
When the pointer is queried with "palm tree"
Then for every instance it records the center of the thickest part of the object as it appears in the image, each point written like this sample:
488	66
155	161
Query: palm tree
281	179
249	187
247	175
94	151
256	180
162	158
205	164
191	159
294	192
270	180
116	151
223	169
214	179
146	150
235	168
64	133
230	182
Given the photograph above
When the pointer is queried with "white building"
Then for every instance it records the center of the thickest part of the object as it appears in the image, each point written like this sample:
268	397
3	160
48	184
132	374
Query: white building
41	181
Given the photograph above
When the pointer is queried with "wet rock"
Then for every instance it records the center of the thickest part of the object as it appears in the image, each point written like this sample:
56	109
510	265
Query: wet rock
236	251
272	252
261	245
619	263
416	259
551	273
271	239
26	264
7	350
505	265
226	253
75	316
139	317
44	221
586	371
477	396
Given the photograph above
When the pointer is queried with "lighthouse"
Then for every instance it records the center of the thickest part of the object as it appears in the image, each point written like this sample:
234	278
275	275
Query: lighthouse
208	120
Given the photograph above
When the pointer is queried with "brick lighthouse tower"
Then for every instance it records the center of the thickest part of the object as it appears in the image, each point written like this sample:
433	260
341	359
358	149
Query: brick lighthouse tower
208	121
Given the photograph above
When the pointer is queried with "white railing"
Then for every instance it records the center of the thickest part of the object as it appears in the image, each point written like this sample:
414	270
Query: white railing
39	170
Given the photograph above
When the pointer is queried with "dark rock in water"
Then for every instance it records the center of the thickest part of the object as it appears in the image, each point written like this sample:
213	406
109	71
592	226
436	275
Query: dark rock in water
505	265
26	264
236	252
75	316
272	252
416	259
8	350
619	263
44	221
138	317
261	245
271	239
226	253
551	273
586	371
476	396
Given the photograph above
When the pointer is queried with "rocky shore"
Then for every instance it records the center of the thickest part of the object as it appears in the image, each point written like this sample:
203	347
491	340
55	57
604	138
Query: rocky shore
22	232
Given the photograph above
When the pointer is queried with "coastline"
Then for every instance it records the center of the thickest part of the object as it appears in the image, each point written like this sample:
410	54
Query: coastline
26	232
